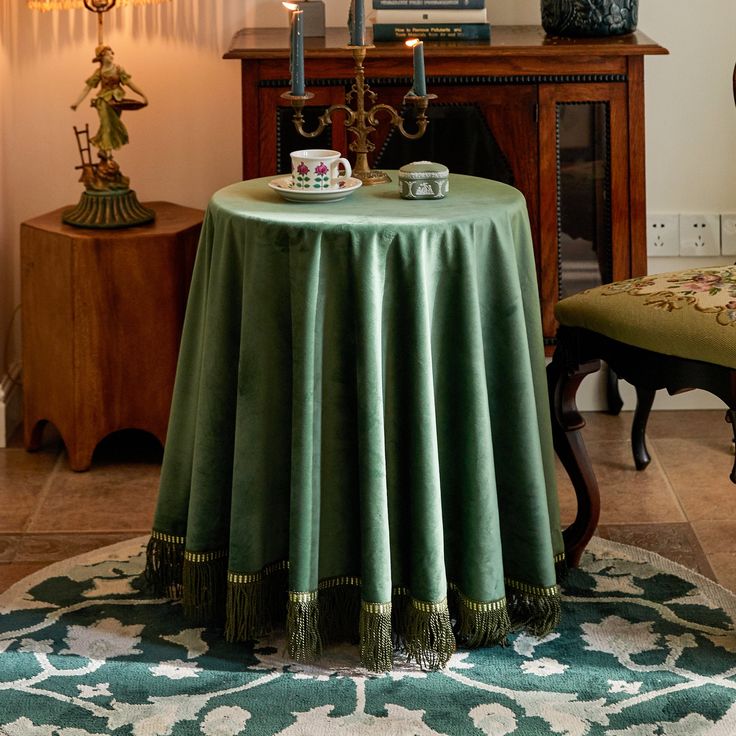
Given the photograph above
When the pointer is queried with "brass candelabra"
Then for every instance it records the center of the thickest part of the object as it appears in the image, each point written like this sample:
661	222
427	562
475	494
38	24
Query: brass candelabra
363	120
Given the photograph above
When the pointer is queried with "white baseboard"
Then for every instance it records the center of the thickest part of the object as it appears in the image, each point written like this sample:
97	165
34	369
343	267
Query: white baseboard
11	404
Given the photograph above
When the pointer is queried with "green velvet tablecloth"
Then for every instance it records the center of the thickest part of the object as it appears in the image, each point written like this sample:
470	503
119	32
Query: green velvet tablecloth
359	443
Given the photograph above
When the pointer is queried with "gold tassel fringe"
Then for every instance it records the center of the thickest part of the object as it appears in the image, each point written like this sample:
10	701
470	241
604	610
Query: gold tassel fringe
534	611
428	638
204	582
302	627
376	648
164	561
481	624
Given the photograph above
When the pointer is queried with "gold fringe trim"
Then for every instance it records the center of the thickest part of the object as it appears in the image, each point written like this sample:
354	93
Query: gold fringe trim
428	637
164	561
302	626
536	614
481	624
204	583
256	602
339	610
376	647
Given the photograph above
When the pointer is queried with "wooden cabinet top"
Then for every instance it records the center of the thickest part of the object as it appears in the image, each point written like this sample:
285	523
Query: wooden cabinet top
506	41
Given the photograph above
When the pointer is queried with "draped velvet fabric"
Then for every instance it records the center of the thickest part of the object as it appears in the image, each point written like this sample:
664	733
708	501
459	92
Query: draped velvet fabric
361	399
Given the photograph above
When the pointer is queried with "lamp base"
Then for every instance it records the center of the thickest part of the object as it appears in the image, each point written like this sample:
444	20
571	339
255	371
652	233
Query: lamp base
107	210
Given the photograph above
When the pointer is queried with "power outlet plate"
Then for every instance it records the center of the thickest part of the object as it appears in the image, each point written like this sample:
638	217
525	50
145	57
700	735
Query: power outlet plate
700	235
728	235
663	235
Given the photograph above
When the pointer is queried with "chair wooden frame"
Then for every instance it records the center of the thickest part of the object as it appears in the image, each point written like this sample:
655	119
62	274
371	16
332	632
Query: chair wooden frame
579	352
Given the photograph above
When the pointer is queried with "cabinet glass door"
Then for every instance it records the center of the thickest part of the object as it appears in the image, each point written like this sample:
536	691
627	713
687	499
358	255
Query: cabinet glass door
584	209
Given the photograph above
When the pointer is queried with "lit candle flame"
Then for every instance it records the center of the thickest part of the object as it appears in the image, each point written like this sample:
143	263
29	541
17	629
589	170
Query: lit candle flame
290	6
411	43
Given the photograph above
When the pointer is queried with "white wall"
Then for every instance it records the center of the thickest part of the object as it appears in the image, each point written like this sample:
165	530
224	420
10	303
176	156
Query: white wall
186	143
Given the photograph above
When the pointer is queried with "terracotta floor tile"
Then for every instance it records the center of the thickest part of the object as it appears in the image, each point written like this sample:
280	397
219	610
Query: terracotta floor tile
52	547
628	495
707	425
602	426
13	572
23	476
119	497
724	566
716	536
9	546
698	472
677	542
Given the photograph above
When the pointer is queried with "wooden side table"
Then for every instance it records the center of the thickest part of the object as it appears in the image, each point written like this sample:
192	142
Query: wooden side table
102	317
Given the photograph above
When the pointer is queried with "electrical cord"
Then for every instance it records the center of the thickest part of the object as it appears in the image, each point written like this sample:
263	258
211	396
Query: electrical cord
6	345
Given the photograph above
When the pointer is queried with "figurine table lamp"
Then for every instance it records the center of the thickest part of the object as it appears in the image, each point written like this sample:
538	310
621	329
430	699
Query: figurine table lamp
107	200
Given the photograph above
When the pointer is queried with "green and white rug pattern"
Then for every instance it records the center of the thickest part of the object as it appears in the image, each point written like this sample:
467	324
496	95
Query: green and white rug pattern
646	648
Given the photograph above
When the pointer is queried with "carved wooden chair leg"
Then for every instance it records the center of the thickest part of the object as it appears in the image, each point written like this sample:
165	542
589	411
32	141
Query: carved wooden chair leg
614	402
644	401
563	383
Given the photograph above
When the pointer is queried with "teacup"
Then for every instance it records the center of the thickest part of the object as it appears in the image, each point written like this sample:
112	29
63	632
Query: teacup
318	168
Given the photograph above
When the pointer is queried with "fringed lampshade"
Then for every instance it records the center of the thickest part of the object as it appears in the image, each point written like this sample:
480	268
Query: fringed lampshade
96	6
89	4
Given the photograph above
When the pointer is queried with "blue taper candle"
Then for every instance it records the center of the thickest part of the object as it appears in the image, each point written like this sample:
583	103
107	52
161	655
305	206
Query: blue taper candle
297	53
420	83
357	23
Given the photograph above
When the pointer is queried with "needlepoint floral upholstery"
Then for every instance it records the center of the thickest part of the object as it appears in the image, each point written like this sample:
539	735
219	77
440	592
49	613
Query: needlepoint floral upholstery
688	314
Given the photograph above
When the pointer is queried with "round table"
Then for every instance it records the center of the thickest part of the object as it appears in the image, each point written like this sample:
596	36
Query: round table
359	444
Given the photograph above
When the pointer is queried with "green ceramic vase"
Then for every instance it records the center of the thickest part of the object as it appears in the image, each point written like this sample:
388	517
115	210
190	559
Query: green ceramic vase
589	17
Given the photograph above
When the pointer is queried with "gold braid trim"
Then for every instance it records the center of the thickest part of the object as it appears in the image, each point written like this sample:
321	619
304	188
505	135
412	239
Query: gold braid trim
198	557
171	538
335	582
552	591
239	578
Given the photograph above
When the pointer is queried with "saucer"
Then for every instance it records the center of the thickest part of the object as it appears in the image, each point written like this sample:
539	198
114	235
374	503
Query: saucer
283	185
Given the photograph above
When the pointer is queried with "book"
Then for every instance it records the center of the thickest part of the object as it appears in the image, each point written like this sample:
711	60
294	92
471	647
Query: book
430	15
432	31
428	4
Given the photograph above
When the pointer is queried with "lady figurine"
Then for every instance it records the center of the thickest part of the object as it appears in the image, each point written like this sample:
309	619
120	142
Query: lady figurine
107	200
110	101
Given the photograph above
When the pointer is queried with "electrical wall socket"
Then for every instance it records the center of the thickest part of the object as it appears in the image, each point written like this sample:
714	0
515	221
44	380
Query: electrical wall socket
728	235
663	235
700	235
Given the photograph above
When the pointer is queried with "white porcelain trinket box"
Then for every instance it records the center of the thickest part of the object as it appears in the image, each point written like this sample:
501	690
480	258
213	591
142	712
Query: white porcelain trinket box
423	180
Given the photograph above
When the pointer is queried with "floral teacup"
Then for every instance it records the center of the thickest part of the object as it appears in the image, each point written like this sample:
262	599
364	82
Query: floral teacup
318	169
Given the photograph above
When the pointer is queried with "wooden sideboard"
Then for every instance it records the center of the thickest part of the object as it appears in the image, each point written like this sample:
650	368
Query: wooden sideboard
561	119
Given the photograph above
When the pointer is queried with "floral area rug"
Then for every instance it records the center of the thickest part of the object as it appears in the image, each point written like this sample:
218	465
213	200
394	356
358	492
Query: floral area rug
645	648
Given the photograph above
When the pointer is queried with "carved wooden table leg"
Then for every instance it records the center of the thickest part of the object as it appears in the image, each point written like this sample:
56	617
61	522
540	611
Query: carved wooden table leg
563	379
644	401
